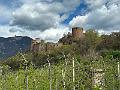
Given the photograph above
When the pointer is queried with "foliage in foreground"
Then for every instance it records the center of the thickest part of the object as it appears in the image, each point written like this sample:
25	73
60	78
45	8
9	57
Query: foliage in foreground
60	76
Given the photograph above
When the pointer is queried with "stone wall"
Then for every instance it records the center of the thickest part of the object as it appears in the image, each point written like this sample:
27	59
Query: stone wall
40	45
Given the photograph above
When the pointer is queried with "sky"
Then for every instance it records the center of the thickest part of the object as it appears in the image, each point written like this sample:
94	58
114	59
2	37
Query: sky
50	19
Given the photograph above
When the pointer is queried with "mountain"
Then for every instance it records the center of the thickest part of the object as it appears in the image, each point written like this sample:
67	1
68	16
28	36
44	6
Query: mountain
12	45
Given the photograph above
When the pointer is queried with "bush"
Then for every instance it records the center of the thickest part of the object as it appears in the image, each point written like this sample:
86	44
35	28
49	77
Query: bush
113	54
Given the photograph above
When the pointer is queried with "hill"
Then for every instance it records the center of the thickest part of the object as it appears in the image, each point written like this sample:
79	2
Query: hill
12	45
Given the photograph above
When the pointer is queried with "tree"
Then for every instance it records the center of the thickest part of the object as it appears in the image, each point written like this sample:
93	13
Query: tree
89	42
110	42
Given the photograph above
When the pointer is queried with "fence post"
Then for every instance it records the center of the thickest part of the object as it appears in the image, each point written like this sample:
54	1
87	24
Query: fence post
50	78
1	77
64	71
56	84
73	73
63	76
26	70
118	67
26	75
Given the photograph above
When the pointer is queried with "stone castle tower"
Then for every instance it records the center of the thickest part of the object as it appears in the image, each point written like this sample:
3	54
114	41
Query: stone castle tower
77	32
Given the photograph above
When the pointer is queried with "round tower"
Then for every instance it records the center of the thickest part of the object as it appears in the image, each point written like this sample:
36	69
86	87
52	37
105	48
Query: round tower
77	32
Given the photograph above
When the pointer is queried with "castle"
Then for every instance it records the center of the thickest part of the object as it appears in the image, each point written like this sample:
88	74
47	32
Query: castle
40	45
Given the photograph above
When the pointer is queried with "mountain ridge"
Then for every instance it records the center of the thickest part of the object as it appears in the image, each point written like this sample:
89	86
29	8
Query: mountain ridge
10	46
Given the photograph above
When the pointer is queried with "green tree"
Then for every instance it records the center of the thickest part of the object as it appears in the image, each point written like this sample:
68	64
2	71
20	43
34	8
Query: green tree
110	42
89	42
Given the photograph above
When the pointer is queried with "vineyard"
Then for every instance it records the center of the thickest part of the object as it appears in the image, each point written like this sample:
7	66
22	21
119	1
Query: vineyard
72	73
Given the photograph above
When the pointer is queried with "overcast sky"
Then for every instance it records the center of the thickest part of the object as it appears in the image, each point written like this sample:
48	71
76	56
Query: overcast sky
50	19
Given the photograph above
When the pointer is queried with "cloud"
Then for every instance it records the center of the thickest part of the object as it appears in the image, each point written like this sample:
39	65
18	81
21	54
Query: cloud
93	4
39	15
54	34
5	14
104	17
50	35
38	18
78	21
4	31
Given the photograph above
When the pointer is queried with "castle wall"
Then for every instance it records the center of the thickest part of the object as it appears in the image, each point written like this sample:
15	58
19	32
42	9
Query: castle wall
42	46
38	45
35	47
50	46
